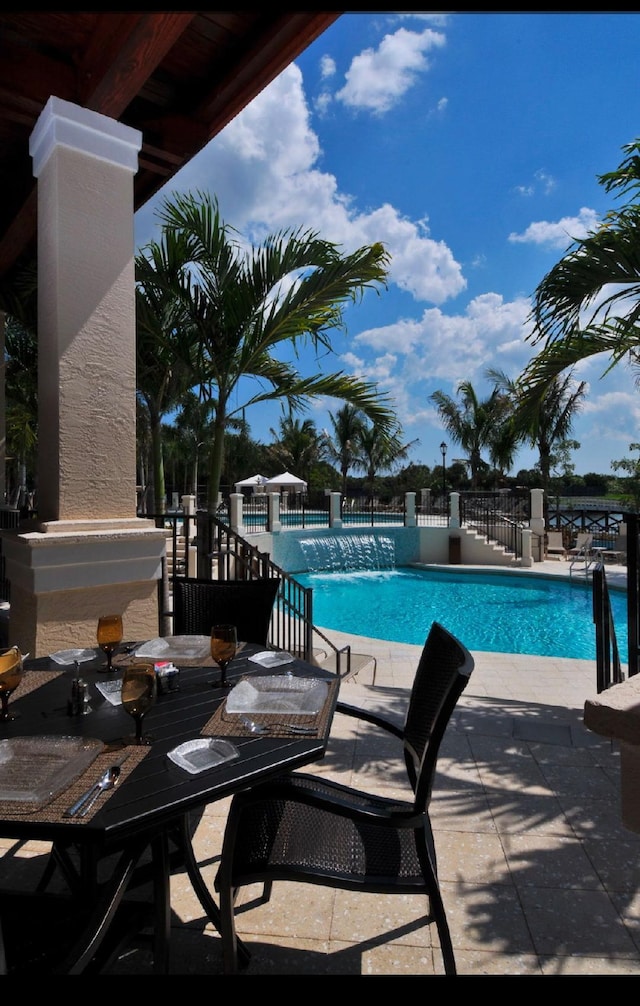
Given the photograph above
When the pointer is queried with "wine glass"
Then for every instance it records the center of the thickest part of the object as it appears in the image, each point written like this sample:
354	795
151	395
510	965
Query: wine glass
138	695
109	635
11	671
224	644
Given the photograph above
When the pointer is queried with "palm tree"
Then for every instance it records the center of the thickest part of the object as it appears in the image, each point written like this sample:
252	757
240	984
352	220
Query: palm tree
243	306
589	303
380	452
548	425
163	347
194	423
298	446
471	422
344	447
21	388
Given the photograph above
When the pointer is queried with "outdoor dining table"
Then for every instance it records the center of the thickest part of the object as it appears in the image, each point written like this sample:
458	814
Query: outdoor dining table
142	825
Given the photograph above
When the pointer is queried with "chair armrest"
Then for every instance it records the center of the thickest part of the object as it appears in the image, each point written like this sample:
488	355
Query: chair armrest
334	799
369	717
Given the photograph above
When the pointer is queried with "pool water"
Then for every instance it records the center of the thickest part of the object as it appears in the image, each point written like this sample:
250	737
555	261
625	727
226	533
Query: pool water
499	613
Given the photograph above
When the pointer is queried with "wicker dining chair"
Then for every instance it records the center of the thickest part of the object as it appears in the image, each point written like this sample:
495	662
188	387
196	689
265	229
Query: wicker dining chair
247	604
305	828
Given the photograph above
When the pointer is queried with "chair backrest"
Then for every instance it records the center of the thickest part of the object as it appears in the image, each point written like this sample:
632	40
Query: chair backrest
247	604
555	539
583	539
443	672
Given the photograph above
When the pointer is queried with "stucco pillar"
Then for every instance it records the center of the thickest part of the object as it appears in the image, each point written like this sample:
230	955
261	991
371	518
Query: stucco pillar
454	512
335	520
273	518
410	510
87	554
536	524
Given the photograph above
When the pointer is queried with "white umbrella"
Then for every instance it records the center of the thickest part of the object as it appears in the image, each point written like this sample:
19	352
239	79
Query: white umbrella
286	482
254	482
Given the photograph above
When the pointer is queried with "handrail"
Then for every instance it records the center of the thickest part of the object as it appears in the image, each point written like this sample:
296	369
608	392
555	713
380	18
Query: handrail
608	667
223	554
586	558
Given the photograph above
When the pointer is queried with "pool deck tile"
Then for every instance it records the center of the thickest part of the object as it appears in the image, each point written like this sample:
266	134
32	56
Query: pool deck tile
539	877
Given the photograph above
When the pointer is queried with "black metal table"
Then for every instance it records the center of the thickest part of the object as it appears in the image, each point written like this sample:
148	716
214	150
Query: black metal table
150	809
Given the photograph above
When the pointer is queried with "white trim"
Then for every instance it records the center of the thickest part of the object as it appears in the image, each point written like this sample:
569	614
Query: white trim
63	124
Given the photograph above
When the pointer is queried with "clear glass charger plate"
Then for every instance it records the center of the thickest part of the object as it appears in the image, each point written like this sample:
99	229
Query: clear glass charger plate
278	693
203	753
271	658
69	656
34	770
176	648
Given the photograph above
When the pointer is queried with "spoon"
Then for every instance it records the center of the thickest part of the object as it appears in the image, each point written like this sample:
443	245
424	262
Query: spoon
87	800
108	781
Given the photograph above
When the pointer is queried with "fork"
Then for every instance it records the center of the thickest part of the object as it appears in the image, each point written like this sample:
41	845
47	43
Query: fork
264	728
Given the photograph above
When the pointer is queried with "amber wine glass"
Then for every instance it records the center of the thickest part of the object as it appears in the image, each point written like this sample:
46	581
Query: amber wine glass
224	644
109	635
11	671
138	696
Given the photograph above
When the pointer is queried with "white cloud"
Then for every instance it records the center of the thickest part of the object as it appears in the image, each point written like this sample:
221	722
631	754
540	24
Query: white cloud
561	233
263	171
378	78
327	66
441	349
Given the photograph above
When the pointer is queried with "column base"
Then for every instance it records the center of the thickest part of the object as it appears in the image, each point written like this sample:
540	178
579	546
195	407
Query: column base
62	578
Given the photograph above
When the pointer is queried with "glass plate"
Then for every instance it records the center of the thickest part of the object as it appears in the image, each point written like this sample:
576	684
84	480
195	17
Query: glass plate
111	690
202	753
176	648
35	769
68	656
271	658
278	693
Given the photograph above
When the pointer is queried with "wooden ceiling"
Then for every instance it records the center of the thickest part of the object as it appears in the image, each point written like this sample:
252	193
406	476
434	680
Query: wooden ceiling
177	76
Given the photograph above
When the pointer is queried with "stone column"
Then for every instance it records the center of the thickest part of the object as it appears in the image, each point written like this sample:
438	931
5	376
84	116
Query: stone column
274	524
335	520
454	513
87	554
536	524
410	510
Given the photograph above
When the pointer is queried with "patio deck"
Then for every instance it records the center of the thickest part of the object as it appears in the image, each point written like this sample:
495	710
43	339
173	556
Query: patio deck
538	875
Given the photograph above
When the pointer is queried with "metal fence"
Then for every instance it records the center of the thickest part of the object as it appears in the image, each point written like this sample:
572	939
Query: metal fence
204	545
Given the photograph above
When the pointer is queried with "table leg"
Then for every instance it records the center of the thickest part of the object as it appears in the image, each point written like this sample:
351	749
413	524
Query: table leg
103	913
200	887
162	903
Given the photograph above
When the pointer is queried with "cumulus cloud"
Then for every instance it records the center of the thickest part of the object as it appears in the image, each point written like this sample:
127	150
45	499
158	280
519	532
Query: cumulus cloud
378	78
561	233
263	168
445	347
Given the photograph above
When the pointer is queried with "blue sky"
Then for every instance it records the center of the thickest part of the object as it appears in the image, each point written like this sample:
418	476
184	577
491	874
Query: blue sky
470	145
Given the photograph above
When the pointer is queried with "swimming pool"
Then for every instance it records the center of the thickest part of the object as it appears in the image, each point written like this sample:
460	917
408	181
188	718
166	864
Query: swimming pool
499	613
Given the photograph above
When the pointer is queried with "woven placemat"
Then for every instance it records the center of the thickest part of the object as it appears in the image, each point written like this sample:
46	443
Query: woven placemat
124	659
33	680
224	724
129	757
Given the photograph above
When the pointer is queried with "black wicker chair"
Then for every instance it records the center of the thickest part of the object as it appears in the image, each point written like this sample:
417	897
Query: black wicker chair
306	828
247	604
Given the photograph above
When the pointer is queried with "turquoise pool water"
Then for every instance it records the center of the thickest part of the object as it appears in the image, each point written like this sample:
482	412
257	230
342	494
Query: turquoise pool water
499	613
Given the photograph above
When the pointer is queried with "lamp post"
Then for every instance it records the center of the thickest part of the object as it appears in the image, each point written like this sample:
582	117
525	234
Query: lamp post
443	448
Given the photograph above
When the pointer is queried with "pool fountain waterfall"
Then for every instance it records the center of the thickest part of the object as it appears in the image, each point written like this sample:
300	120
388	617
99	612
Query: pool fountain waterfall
342	553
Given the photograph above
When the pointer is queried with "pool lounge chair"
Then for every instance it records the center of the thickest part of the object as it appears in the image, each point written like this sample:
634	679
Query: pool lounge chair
582	545
555	545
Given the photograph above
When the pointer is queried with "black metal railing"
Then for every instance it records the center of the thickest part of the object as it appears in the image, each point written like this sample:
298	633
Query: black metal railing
9	520
201	544
632	522
608	666
498	517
